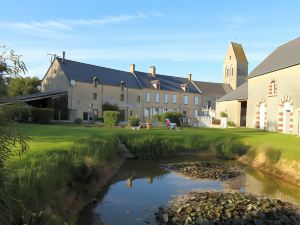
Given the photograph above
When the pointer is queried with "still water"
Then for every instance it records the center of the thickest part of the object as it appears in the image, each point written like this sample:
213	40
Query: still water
141	187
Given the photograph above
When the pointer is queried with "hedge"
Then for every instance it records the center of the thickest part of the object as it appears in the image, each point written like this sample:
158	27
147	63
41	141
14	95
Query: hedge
42	115
111	118
134	122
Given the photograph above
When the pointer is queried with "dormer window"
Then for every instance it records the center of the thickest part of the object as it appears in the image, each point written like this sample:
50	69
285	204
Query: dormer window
184	87
273	88
155	84
95	81
122	85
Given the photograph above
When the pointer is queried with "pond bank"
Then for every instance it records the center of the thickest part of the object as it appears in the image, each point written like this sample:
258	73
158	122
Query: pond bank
287	170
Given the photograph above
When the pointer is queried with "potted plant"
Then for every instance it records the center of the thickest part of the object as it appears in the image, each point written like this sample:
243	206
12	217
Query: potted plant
148	124
224	119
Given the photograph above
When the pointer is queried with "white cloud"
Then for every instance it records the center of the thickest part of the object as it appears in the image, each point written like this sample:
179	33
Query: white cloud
68	25
235	21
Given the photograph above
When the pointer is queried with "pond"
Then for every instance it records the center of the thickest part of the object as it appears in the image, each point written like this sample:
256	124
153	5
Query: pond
140	187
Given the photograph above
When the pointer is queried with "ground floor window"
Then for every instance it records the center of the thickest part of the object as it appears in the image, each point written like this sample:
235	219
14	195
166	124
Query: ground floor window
196	113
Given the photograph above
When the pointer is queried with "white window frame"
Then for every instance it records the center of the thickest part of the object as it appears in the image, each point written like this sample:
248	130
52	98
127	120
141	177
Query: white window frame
166	98
174	99
196	113
157	97
185	99
196	100
148	96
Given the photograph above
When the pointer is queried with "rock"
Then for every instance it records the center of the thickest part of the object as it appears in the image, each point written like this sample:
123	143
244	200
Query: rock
163	217
146	221
206	170
213	208
258	222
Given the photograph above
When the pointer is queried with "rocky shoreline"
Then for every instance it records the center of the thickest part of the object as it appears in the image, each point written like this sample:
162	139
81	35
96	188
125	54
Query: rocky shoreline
214	208
206	170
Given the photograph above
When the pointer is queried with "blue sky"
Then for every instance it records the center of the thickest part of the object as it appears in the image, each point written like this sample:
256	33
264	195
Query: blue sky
178	37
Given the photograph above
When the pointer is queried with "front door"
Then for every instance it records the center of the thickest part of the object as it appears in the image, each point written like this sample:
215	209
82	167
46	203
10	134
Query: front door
287	121
122	115
262	110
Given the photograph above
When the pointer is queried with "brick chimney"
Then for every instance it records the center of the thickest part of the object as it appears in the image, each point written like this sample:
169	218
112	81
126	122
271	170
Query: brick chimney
189	77
152	70
132	68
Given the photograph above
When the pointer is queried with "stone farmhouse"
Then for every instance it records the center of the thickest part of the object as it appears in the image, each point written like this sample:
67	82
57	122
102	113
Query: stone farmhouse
139	94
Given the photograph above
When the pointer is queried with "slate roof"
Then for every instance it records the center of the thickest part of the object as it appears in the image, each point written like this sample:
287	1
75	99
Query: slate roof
168	83
26	98
85	73
239	52
284	56
241	93
213	89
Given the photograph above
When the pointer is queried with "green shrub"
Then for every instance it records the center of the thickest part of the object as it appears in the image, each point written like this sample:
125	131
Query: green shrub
230	148
78	121
109	107
231	123
216	121
111	118
223	114
172	116
42	115
148	147
134	122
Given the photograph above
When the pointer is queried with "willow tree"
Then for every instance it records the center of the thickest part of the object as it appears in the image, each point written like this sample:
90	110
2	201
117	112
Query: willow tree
11	139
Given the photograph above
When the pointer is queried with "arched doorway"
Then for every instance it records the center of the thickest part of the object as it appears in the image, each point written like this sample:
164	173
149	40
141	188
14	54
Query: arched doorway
286	117
262	112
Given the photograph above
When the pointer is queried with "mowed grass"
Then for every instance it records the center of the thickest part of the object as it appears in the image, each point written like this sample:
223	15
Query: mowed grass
56	137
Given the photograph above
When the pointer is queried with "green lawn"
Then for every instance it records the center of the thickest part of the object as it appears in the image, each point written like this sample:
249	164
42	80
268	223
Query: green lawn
56	137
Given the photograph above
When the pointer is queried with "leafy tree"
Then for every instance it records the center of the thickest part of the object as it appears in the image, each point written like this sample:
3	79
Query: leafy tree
23	86
3	86
109	107
11	139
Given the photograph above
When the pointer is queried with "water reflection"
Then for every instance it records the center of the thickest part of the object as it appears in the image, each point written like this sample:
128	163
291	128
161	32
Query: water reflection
142	186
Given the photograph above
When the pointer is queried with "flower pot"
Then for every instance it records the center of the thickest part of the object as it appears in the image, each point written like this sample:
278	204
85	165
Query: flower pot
224	121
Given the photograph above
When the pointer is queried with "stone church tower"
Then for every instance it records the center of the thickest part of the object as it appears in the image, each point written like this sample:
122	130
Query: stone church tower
235	68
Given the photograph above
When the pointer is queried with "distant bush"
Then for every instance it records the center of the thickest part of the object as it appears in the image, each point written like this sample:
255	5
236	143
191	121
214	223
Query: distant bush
148	147
109	107
216	121
42	115
111	118
134	122
172	116
78	121
231	123
223	114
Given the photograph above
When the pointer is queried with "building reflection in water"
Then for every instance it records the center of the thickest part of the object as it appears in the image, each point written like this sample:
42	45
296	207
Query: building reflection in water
129	182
